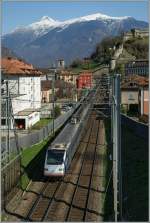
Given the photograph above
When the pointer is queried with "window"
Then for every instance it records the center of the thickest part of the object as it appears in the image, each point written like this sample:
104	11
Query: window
130	97
3	121
55	157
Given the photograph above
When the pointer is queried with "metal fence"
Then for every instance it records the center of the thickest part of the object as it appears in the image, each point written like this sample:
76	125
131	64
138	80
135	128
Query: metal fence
39	135
11	172
10	176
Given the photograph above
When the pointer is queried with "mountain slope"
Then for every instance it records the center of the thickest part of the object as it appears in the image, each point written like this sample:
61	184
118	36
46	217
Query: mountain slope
43	42
7	52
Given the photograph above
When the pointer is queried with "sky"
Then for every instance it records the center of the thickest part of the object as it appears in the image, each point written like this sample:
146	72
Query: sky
16	14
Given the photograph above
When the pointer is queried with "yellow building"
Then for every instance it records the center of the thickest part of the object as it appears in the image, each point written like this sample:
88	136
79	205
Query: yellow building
68	76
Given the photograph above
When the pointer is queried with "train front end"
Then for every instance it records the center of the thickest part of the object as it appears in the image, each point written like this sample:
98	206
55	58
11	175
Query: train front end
54	163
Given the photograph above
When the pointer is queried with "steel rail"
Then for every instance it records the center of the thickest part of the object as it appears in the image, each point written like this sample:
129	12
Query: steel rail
77	184
91	174
37	201
47	210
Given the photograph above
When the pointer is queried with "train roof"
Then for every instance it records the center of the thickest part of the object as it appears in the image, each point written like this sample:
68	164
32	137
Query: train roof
60	146
64	139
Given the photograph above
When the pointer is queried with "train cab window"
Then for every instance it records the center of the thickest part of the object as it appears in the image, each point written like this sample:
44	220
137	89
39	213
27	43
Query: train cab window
55	157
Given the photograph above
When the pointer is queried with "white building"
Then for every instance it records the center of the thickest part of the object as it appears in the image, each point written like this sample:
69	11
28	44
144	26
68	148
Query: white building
25	89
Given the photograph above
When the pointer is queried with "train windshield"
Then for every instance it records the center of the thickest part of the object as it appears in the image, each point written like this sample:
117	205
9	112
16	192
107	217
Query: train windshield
55	157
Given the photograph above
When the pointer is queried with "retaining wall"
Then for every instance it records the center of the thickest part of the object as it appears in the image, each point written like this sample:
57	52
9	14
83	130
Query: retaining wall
139	128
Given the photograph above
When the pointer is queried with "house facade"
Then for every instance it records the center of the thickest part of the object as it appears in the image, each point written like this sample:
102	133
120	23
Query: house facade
134	94
136	33
144	101
60	64
67	76
47	91
140	33
25	90
84	80
129	98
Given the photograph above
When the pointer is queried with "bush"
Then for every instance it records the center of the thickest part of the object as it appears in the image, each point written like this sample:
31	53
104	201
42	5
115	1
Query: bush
76	63
123	109
143	118
137	47
57	111
104	50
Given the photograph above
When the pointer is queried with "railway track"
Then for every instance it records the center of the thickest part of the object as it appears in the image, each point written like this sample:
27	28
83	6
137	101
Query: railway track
46	197
78	196
78	206
69	199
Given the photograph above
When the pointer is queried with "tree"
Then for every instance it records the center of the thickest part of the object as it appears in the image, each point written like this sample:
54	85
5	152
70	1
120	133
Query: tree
120	69
105	49
76	63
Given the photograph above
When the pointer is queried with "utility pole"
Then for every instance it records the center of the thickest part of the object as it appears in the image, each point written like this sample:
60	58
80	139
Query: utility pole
53	93
8	121
118	136
116	133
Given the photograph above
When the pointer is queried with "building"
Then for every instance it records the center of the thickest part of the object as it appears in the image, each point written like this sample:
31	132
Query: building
25	91
67	76
127	35
61	64
140	33
129	97
136	33
137	67
117	52
130	92
84	80
144	100
47	92
62	89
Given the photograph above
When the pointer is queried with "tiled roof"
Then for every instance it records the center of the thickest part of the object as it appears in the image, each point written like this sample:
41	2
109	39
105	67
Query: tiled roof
135	82
66	73
14	66
86	73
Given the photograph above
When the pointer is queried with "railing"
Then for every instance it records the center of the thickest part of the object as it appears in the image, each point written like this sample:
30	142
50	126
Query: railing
37	136
11	172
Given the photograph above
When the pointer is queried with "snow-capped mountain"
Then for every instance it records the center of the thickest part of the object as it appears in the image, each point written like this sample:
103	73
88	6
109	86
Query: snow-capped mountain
46	40
46	23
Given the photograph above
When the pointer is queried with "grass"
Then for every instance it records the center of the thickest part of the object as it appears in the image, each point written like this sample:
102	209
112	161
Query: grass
32	159
29	153
24	181
43	122
135	176
137	47
4	217
81	68
27	156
